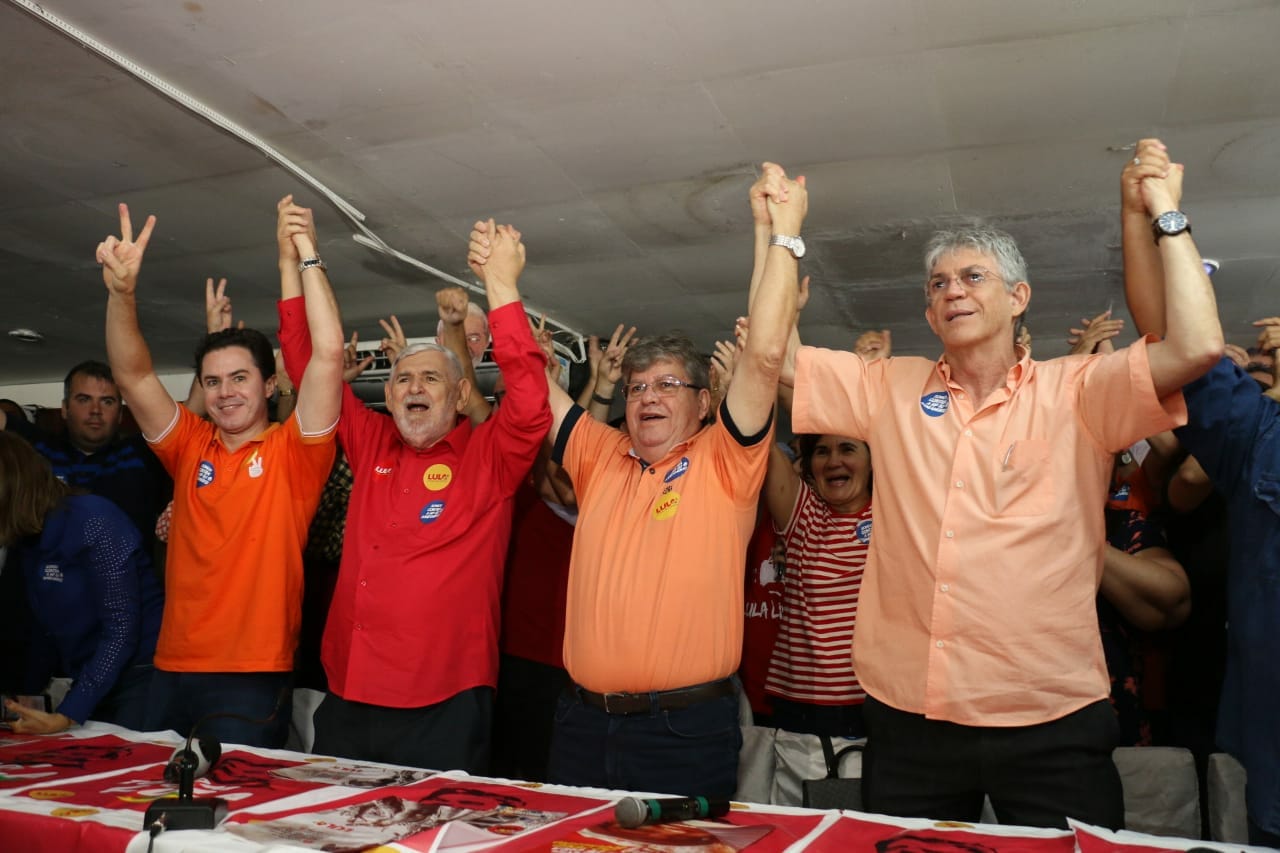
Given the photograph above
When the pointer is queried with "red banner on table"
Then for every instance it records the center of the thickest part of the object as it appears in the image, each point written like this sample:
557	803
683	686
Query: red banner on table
241	778
916	836
741	829
413	815
41	758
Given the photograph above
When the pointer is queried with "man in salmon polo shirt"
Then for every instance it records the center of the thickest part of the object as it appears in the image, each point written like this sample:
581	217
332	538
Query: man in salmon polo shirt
411	642
244	494
653	626
977	637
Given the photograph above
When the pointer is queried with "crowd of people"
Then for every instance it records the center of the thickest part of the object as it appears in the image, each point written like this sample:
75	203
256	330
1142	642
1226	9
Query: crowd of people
524	587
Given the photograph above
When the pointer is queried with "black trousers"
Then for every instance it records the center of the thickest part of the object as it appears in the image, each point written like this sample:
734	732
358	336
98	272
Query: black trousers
449	735
1035	775
524	715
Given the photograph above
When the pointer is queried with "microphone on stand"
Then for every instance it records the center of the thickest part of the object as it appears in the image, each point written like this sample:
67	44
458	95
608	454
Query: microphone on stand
191	762
194	759
632	812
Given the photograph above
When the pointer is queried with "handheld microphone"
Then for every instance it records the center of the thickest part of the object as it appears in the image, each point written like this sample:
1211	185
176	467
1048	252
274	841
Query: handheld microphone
631	812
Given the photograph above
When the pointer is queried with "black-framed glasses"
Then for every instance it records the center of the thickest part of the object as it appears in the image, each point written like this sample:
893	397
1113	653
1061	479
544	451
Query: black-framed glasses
663	386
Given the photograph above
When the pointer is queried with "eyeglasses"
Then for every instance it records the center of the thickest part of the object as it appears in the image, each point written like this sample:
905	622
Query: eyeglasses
663	386
475	338
970	279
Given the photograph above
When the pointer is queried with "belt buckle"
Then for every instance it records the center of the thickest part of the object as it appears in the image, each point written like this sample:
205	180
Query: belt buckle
609	710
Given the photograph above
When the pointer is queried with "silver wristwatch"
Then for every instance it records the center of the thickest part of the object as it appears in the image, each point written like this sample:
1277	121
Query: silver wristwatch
795	245
307	263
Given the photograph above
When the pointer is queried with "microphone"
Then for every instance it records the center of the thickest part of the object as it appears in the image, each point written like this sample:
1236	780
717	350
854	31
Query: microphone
631	812
191	762
192	759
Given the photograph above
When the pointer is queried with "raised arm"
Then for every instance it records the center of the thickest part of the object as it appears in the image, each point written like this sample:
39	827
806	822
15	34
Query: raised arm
597	396
772	183
1143	269
496	256
217	317
319	393
772	309
1269	344
451	304
781	485
1096	335
121	259
1192	333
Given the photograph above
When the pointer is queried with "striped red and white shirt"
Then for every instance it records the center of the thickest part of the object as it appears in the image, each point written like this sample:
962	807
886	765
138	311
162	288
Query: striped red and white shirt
826	551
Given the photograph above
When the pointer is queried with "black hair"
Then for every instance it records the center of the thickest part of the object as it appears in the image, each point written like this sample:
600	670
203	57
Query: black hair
94	369
251	339
809	443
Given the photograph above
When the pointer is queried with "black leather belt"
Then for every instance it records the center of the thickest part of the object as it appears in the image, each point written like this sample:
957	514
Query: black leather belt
663	700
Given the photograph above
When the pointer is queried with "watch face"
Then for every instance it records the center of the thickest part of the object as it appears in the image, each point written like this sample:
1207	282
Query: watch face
1172	222
797	247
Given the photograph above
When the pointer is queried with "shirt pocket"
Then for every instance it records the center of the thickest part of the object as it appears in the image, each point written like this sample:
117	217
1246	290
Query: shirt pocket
1024	485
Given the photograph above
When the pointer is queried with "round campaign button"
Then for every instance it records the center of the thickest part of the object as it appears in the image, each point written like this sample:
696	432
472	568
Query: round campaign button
431	512
935	405
437	477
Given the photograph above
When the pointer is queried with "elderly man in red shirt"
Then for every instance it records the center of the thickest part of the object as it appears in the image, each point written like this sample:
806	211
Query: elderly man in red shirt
977	638
411	644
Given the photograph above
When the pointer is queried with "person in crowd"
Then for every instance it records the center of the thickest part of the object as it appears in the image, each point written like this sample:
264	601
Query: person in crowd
531	671
90	587
410	646
1233	431
1144	593
470	319
454	332
825	520
1144	590
654	615
823	512
989	533
246	490
93	455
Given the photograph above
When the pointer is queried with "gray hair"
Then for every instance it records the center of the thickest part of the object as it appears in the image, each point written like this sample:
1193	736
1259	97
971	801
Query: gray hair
455	366
476	311
673	347
981	238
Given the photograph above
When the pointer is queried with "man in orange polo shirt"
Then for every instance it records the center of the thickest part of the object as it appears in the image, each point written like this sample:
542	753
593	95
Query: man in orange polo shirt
244	493
653	627
977	636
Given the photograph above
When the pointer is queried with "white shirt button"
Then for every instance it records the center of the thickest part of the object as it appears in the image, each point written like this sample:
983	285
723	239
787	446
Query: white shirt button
959	484
946	587
951	534
939	644
968	432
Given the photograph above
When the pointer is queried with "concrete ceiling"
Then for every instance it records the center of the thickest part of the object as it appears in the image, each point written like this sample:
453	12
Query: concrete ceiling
621	137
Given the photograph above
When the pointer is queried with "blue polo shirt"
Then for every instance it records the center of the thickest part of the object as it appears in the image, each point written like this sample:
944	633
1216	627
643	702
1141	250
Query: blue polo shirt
1234	432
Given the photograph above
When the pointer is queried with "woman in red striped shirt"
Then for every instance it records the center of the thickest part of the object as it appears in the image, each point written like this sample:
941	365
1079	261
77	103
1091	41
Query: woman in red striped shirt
825	518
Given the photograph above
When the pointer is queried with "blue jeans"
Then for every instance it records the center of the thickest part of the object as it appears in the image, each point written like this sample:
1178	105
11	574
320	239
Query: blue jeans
688	752
180	700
